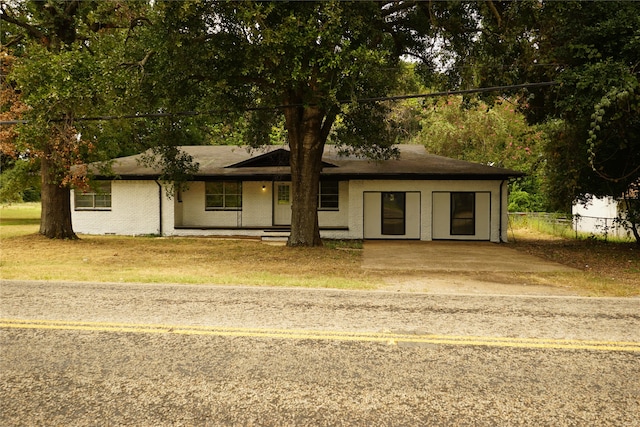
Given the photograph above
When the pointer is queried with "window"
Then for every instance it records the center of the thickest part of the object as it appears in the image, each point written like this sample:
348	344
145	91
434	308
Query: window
97	198
393	213
284	194
463	214
223	195
328	196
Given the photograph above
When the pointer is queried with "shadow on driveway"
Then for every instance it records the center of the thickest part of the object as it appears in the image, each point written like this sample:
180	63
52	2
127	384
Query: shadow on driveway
452	256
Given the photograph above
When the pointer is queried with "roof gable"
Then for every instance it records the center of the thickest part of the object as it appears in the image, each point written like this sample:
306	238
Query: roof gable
279	157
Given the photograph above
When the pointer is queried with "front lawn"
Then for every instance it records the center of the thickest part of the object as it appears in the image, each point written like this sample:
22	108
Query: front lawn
29	256
608	268
604	268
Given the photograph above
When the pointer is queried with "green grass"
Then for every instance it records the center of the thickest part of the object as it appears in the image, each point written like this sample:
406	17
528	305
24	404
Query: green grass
550	224
555	226
613	268
29	256
19	219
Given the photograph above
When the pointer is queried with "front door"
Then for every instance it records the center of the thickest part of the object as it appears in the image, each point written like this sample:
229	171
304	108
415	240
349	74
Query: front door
282	203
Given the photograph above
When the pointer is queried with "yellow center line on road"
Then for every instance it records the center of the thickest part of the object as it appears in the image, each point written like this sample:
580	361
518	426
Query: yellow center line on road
302	334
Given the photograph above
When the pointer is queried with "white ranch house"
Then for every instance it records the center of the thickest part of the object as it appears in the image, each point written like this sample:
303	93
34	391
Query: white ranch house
238	192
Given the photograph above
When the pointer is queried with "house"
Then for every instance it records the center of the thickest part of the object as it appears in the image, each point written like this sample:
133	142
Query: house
238	192
596	216
604	215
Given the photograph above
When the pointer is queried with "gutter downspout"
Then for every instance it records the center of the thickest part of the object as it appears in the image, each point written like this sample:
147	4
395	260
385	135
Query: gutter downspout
500	221
159	207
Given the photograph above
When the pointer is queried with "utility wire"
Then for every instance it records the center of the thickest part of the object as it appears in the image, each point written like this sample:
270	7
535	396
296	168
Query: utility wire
281	107
456	92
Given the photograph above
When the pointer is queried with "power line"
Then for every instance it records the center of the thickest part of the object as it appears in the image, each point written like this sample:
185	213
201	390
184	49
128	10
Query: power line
281	107
458	92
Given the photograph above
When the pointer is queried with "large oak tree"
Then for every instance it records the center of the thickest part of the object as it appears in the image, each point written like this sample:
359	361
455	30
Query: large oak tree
65	68
306	63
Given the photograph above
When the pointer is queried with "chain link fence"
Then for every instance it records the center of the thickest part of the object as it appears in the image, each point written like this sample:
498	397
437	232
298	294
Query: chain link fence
576	226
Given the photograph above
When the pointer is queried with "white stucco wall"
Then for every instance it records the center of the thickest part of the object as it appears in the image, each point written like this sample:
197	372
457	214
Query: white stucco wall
504	221
257	209
340	217
256	204
372	221
357	189
134	211
194	213
493	187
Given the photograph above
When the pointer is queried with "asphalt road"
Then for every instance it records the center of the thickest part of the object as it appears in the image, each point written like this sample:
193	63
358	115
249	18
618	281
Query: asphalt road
156	355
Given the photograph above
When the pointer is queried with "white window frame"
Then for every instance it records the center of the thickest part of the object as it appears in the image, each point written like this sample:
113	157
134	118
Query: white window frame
97	198
329	192
226	194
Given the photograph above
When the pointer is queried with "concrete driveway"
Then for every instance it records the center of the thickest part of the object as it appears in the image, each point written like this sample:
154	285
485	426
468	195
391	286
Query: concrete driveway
451	256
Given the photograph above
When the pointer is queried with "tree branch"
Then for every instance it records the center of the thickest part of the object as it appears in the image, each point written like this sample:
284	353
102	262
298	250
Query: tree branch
329	119
15	40
33	31
72	8
492	8
140	64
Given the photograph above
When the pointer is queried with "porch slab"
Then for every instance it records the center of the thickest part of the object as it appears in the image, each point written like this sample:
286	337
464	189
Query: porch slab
452	256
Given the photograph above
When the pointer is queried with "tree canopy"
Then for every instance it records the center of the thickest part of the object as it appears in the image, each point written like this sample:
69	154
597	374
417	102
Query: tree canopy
313	61
496	134
592	49
308	66
65	68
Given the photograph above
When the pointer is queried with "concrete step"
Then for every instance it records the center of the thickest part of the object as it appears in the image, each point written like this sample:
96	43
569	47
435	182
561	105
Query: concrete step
275	236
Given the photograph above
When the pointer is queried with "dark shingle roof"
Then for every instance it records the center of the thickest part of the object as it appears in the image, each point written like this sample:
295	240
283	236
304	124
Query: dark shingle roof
233	162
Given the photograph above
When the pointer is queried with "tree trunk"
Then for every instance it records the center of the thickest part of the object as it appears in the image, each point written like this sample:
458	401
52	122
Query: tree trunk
630	219
306	141
636	234
55	219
